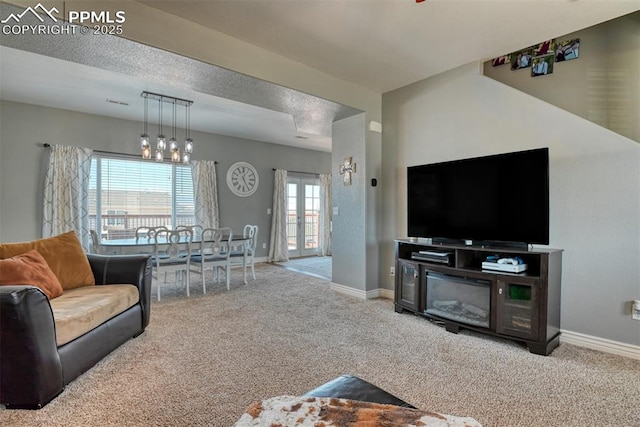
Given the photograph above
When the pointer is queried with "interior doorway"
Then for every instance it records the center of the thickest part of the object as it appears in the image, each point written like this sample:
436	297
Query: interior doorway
303	215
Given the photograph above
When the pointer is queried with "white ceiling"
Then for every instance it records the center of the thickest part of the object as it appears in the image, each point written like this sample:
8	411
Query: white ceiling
378	44
387	44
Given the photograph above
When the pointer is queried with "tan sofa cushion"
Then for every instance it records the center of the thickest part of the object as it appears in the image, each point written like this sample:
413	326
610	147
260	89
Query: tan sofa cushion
80	310
63	253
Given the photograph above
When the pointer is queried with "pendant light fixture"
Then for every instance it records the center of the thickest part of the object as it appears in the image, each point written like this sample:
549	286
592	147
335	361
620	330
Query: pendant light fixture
161	144
173	143
144	138
188	142
162	141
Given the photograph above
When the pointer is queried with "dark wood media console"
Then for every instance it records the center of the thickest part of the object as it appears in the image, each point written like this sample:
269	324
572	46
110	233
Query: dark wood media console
448	284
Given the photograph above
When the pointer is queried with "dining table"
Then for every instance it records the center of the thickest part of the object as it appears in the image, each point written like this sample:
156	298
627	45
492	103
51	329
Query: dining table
145	245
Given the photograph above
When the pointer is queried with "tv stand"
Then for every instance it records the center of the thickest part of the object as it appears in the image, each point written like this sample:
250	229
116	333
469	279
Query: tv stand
460	294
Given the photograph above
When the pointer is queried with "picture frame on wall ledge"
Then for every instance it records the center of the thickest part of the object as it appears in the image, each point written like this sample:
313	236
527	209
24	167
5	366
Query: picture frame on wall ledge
567	50
521	59
542	65
544	48
501	60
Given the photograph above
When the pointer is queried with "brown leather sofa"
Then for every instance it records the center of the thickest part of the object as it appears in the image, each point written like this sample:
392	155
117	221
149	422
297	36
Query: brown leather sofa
33	368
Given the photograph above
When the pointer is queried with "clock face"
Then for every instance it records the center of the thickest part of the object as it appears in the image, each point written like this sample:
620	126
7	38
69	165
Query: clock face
242	179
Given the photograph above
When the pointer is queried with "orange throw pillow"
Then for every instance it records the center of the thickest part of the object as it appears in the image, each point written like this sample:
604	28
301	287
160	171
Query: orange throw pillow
30	269
63	253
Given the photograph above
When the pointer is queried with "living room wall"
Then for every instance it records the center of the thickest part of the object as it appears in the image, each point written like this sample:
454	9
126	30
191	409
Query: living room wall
602	85
23	158
594	185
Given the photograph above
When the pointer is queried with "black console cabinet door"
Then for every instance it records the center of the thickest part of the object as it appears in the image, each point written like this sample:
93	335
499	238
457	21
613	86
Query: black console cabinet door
518	307
407	292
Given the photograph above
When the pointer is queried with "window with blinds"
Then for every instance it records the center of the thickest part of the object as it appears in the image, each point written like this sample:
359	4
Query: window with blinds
127	193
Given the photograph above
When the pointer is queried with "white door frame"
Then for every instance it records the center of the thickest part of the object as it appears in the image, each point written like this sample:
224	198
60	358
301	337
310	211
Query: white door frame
302	222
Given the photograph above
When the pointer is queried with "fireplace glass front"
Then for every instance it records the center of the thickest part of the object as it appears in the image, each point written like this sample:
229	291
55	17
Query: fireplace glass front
460	299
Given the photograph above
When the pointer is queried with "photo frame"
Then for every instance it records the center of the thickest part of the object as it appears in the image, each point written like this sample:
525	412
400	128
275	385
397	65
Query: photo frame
501	60
567	50
544	48
542	65
521	59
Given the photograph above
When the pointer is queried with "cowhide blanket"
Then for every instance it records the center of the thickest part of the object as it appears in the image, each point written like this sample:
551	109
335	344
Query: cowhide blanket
286	411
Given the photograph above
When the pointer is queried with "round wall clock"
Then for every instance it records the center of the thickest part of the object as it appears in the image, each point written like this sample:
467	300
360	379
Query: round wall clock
242	179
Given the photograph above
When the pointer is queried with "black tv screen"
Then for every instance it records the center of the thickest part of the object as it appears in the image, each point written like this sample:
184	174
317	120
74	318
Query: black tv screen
499	198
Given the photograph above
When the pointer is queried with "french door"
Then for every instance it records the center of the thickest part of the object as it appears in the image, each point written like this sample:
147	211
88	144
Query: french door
303	216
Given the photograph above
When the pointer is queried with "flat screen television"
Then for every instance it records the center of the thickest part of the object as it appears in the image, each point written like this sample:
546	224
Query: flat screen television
494	199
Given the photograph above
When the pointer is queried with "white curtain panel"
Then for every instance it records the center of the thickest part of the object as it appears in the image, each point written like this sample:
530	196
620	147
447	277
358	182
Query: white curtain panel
278	247
205	193
66	193
325	214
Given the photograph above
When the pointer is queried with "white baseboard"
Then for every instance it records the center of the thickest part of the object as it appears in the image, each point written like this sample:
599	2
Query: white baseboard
347	290
375	293
600	344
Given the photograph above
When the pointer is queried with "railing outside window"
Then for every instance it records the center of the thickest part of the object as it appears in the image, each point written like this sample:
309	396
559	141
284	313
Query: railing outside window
127	193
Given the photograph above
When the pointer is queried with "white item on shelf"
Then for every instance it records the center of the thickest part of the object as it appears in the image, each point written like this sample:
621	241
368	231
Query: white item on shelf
510	268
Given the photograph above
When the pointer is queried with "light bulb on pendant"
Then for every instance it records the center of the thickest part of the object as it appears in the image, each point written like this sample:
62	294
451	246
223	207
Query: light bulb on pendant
159	156
146	152
175	156
186	158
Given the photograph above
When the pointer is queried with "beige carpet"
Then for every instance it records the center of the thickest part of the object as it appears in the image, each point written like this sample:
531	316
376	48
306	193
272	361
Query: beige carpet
203	360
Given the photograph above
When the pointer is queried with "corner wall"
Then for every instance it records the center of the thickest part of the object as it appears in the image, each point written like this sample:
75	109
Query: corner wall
594	184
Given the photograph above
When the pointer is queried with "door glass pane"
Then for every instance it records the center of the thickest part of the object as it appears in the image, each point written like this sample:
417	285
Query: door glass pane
517	315
292	216
408	284
311	216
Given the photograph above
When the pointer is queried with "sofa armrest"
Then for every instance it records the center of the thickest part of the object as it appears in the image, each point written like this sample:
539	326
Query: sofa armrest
30	369
129	269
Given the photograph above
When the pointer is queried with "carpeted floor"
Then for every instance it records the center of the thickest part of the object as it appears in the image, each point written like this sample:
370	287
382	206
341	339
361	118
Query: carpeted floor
204	359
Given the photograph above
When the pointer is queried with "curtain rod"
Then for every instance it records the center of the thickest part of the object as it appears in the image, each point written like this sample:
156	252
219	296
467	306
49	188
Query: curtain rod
135	156
306	173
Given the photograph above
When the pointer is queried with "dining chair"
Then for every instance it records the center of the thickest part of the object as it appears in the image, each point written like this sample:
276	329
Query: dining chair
214	251
197	230
247	254
148	233
95	242
172	252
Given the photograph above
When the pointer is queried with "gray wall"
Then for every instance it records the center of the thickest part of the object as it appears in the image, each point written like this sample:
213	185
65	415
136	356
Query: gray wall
349	231
594	184
602	85
22	159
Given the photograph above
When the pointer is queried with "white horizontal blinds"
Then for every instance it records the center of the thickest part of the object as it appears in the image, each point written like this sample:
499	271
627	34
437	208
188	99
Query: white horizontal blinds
184	203
132	193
